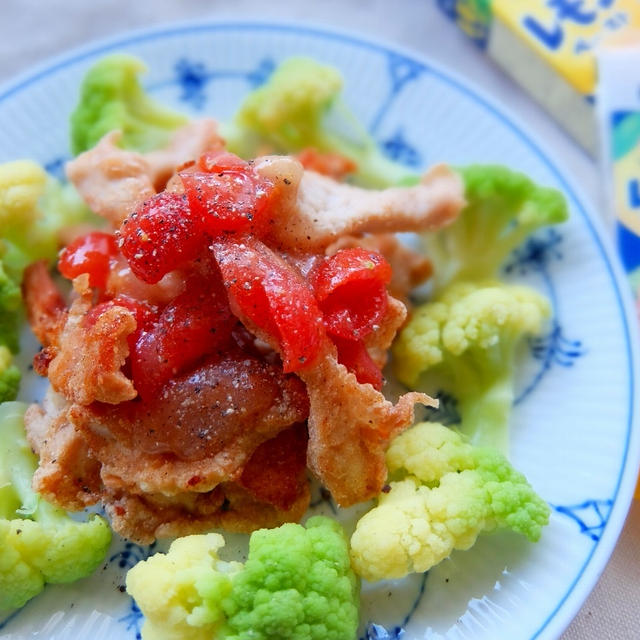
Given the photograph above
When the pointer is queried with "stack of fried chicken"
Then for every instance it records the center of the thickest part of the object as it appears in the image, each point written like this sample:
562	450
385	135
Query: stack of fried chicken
228	440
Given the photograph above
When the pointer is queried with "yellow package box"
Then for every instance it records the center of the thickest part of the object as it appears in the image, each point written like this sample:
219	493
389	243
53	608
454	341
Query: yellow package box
548	46
619	111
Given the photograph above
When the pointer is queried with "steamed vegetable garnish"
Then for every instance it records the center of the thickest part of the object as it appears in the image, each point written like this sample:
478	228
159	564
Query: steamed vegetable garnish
38	543
301	107
297	584
503	208
465	343
113	99
444	492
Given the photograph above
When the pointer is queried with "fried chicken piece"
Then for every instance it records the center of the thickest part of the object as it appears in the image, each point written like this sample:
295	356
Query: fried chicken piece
313	211
350	427
188	143
409	268
45	306
144	518
201	432
113	181
90	354
272	487
67	475
82	356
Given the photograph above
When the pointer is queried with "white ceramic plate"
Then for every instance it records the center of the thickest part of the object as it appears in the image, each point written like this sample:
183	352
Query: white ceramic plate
575	427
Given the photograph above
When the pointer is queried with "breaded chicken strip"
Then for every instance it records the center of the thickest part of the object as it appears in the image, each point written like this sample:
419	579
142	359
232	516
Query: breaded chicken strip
313	210
114	181
350	428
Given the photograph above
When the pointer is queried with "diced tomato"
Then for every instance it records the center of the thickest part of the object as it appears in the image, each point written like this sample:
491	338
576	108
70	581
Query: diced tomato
143	312
92	254
350	287
354	356
161	235
267	293
194	325
227	194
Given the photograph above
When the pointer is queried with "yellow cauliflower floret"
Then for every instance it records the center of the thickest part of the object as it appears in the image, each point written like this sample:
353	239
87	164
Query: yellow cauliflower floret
22	183
464	343
444	493
172	588
413	528
429	453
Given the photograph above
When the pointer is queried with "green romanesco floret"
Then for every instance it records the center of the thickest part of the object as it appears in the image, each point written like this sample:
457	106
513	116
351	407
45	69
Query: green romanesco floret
10	305
503	208
38	543
9	376
297	584
465	343
444	493
112	98
300	106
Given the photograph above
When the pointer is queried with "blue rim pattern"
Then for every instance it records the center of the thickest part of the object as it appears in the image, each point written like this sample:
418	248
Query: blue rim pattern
416	67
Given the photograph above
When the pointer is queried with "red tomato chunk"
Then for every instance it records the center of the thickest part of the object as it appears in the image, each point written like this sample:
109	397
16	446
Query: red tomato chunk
196	324
227	194
351	289
269	294
90	254
160	236
354	356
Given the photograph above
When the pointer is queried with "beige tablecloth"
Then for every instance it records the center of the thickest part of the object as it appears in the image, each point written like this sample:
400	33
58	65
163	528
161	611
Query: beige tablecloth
32	30
610	612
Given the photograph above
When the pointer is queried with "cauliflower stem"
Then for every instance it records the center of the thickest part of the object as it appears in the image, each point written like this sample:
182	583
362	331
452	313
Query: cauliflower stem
39	543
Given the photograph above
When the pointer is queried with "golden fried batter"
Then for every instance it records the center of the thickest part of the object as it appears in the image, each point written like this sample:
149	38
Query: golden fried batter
314	210
350	427
90	355
68	475
46	308
143	518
